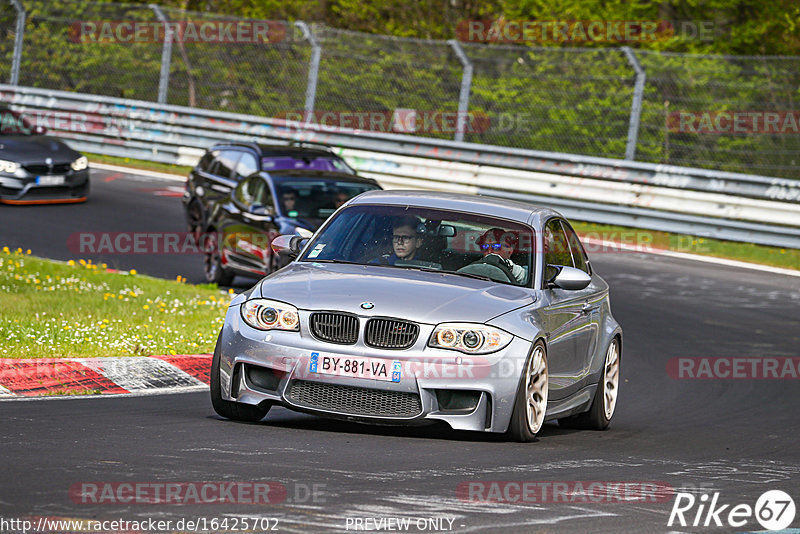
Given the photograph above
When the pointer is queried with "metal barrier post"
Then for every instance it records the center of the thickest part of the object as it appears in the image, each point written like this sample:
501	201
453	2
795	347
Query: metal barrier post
313	69
18	39
166	55
636	106
466	85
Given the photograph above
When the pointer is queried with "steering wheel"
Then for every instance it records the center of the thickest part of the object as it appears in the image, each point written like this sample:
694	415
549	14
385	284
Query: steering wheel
489	271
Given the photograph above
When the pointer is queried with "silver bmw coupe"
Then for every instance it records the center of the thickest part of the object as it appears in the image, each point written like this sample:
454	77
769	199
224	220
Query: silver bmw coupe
408	307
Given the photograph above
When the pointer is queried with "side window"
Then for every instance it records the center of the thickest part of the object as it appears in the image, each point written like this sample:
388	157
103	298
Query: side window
578	254
243	193
263	195
247	165
227	163
212	166
206	161
556	248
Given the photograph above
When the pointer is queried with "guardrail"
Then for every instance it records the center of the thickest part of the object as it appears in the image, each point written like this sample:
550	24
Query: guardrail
701	202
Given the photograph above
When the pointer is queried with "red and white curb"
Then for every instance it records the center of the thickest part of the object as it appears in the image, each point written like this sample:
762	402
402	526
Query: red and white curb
70	376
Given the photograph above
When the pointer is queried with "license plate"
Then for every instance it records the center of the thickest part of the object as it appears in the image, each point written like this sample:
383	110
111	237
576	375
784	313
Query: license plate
356	367
50	180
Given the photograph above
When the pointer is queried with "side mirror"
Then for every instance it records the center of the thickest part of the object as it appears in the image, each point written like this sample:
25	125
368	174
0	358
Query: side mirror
288	245
570	278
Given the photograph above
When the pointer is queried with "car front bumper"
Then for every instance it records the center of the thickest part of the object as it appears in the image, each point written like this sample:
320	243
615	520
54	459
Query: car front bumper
30	190
273	367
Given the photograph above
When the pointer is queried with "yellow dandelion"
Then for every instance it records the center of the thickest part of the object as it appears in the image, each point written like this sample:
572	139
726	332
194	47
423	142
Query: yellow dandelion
146	307
132	271
71	263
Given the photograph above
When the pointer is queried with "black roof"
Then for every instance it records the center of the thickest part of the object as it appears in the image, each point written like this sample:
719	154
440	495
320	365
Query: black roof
292	149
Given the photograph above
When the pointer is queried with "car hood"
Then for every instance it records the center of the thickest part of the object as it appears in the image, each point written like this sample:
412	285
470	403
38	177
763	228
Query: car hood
425	297
35	149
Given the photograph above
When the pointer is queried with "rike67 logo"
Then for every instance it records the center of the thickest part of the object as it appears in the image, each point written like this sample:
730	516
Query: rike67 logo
774	510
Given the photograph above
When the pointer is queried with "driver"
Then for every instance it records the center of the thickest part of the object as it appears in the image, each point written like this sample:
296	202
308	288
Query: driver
497	246
406	241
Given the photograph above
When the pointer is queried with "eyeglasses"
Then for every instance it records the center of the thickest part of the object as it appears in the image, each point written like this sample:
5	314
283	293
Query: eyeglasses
495	246
402	238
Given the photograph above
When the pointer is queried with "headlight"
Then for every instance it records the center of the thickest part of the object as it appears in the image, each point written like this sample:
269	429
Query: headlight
469	338
266	314
80	163
8	166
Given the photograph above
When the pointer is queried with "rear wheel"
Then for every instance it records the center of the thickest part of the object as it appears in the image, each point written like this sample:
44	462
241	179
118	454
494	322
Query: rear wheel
530	405
605	398
214	272
231	410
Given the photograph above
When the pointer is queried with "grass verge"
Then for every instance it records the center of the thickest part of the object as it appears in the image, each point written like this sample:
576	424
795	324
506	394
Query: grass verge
139	164
79	309
748	252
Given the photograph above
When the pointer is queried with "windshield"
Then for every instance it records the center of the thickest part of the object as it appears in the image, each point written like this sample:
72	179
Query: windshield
316	198
12	123
464	244
310	163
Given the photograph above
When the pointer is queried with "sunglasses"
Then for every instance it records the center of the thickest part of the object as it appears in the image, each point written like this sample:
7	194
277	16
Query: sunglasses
494	246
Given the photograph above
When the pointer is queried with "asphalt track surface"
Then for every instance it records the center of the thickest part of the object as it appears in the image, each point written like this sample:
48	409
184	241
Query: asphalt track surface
735	437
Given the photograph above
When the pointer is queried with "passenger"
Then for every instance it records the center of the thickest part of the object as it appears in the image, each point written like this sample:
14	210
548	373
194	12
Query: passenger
497	246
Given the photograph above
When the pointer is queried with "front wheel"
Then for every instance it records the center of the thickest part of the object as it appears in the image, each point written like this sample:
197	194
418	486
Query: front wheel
605	398
231	410
530	404
213	270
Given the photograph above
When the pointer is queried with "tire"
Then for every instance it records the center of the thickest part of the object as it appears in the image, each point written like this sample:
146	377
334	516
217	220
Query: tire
213	270
605	398
227	409
195	218
527	418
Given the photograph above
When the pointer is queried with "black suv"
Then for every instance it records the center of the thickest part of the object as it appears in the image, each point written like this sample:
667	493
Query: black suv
242	225
225	165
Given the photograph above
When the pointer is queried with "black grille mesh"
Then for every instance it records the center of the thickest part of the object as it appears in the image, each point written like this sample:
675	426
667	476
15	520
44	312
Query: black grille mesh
335	327
390	334
354	400
57	168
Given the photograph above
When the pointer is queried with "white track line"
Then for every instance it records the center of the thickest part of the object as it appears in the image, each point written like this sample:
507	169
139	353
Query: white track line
142	172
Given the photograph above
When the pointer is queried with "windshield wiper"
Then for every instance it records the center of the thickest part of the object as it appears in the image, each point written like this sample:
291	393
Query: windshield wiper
469	275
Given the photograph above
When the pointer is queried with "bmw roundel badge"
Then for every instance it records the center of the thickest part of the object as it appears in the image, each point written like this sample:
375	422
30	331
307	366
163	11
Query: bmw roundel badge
367	305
